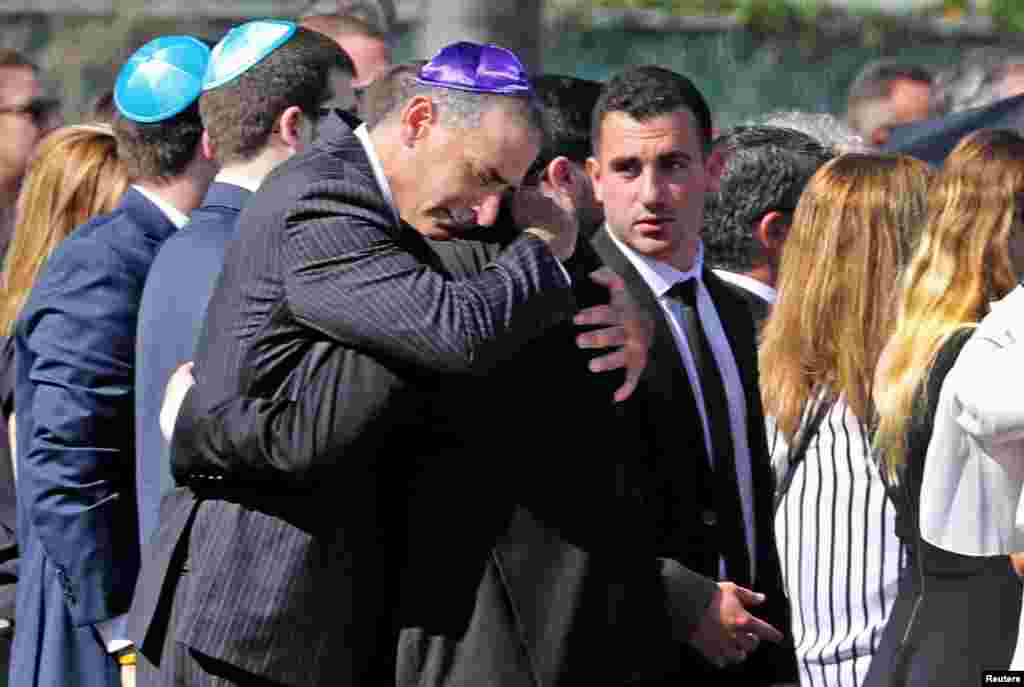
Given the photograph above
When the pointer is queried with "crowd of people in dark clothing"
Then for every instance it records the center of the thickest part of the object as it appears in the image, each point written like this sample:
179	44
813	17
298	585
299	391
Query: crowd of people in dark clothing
323	370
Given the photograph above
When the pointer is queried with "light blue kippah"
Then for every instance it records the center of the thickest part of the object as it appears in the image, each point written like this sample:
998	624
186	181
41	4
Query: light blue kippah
161	78
243	47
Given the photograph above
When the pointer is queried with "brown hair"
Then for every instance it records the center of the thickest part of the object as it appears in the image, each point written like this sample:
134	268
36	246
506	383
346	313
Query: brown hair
241	114
961	264
75	175
850	237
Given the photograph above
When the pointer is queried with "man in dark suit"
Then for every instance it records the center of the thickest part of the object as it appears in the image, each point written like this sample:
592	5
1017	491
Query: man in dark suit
695	422
249	135
573	592
75	354
758	173
332	295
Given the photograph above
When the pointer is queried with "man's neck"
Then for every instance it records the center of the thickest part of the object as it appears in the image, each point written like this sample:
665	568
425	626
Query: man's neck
253	171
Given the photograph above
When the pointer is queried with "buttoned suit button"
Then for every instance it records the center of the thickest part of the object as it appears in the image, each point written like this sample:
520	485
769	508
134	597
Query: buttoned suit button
709	517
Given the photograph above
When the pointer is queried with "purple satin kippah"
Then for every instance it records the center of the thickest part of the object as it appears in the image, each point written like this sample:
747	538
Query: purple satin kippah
467	66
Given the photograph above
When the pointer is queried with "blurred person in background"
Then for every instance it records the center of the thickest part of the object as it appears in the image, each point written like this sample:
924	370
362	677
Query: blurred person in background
389	90
75	175
983	76
887	94
26	115
368	46
102	108
825	128
949	438
834	526
761	172
380	14
74	343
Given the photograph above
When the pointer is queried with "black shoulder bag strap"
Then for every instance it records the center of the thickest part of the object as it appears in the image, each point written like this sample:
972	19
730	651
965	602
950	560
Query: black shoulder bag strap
944	360
799	449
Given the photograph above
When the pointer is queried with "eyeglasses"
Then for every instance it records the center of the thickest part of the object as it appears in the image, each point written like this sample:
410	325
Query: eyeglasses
39	109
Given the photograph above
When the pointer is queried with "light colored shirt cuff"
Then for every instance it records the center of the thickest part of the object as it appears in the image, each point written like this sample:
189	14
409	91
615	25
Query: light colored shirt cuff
114	633
565	272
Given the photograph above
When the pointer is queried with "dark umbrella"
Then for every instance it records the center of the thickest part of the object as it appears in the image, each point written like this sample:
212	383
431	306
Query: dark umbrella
933	139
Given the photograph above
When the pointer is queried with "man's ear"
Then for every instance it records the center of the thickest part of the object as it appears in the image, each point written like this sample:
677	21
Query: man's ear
594	172
713	167
771	230
206	147
558	177
290	124
418	116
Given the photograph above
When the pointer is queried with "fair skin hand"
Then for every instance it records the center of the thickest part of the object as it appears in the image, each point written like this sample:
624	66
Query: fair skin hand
127	676
542	217
627	328
728	632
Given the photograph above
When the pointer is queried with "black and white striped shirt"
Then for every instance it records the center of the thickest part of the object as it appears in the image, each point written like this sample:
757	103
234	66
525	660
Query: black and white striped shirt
835	532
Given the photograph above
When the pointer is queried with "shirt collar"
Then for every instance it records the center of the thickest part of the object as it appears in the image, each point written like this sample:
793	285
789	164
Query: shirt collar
173	214
755	286
363	134
658	275
227	176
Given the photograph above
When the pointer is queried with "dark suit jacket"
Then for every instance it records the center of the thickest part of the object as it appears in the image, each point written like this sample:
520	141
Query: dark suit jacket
759	307
75	353
574	577
300	586
171	314
661	420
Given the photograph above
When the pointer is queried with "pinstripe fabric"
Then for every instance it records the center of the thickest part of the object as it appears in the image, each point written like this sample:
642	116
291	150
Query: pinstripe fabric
300	587
835	531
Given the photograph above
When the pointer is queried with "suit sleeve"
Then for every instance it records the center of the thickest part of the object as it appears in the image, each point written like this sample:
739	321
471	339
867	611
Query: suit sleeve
77	470
353	276
288	436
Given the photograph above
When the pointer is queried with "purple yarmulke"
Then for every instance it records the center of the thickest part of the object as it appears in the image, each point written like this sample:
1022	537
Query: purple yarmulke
477	68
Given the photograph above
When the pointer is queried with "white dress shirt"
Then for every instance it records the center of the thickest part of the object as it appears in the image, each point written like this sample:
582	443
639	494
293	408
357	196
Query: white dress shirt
754	286
661	277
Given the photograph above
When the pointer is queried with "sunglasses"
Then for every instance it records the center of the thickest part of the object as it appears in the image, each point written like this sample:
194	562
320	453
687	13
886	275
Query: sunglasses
39	109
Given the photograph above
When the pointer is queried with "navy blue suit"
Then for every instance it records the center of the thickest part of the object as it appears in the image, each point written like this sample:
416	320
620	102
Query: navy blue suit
77	522
171	316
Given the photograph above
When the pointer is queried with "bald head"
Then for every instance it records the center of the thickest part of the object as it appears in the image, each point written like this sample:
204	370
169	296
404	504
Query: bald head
367	46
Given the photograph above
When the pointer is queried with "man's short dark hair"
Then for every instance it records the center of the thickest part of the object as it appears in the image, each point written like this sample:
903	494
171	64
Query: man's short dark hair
647	92
241	114
158	150
568	103
766	169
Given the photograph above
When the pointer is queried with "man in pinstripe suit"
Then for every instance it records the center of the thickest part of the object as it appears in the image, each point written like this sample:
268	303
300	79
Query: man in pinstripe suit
263	586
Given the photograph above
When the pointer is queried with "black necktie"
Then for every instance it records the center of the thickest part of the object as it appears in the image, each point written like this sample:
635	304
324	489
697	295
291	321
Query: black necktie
729	510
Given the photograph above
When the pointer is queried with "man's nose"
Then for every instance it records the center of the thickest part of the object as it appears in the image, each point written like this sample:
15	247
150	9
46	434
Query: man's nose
650	187
487	210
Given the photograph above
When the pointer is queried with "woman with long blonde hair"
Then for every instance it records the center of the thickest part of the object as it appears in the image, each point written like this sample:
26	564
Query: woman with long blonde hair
951	419
74	175
834	527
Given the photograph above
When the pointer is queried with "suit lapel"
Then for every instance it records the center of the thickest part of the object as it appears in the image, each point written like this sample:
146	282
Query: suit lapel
665	378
